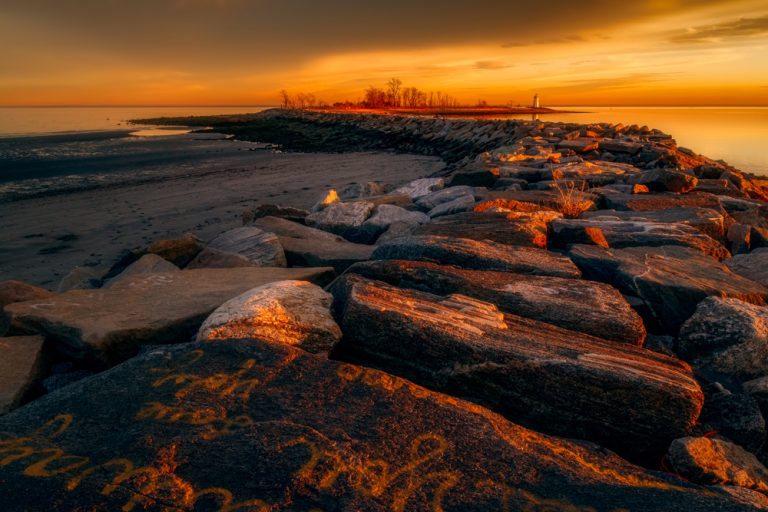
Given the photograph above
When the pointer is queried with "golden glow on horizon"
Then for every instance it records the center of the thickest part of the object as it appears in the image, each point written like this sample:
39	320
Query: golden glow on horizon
675	53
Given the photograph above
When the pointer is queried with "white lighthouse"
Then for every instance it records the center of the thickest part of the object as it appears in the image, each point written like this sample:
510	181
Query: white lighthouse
535	101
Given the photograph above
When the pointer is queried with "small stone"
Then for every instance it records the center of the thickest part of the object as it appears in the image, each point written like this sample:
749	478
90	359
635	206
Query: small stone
81	278
329	198
420	188
384	216
178	251
17	291
460	204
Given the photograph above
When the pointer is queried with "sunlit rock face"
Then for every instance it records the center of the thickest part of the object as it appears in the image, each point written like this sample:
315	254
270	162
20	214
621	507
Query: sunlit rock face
259	426
715	461
107	326
576	304
289	312
540	375
670	280
475	254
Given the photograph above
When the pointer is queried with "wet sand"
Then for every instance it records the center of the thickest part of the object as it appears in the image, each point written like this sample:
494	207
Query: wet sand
43	238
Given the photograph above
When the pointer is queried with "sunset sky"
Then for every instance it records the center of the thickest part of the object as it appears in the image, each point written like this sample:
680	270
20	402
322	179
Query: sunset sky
242	52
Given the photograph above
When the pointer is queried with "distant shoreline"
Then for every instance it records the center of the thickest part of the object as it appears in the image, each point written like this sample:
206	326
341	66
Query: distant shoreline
447	112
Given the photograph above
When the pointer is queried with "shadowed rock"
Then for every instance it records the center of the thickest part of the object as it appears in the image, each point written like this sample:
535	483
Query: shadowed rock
421	187
753	265
540	375
273	210
236	426
665	180
288	312
384	216
21	366
261	248
460	204
343	219
178	251
445	195
474	254
512	228
671	280
579	305
624	233
736	416
663	201
108	326
17	291
714	461
147	264
310	247
727	336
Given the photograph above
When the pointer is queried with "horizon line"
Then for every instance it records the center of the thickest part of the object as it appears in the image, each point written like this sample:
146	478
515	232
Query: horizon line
612	105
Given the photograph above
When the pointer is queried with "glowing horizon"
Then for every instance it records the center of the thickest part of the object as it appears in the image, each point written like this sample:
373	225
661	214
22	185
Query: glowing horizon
240	53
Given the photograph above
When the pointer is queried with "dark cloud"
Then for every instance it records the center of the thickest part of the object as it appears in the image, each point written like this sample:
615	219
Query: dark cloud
261	34
742	27
491	64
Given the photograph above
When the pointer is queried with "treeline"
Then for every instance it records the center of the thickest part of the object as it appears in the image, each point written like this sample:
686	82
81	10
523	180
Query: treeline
392	95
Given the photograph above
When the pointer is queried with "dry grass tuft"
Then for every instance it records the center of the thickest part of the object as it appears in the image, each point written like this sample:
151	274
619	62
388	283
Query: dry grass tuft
572	202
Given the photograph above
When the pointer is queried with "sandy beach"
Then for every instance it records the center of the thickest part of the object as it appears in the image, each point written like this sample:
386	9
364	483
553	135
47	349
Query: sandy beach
196	186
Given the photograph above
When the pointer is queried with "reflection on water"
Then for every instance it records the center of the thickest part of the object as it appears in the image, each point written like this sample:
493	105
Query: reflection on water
159	132
737	135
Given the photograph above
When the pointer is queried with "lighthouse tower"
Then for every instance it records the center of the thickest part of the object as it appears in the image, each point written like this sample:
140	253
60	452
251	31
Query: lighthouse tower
536	101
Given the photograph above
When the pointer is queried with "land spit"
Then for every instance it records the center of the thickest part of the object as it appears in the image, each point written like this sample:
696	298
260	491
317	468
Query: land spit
558	317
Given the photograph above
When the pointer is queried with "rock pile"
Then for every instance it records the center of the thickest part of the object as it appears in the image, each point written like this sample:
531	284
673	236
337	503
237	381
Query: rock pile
574	318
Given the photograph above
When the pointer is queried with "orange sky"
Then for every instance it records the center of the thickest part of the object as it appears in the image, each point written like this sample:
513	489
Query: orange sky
242	52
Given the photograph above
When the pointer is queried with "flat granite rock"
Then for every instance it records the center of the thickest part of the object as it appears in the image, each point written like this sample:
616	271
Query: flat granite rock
261	248
661	201
753	265
475	254
576	304
108	326
708	221
631	400
343	219
630	233
511	228
257	427
309	247
671	280
728	336
21	366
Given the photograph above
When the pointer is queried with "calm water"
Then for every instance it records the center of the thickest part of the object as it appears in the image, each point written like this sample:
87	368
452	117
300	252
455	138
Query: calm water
737	135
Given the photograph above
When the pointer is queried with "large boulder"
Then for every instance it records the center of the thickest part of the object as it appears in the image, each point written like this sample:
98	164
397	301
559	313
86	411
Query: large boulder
753	265
419	188
384	216
309	247
461	204
178	251
107	326
728	336
736	416
576	304
540	375
512	228
258	426
343	219
625	233
260	248
665	180
445	195
475	254
662	201
670	280
288	312
708	221
16	291
711	461
22	364
147	264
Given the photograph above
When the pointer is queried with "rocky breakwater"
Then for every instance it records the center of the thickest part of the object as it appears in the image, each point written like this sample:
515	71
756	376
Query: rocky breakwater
573	318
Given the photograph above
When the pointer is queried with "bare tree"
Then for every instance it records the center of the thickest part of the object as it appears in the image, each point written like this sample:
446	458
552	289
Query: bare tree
285	102
394	86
